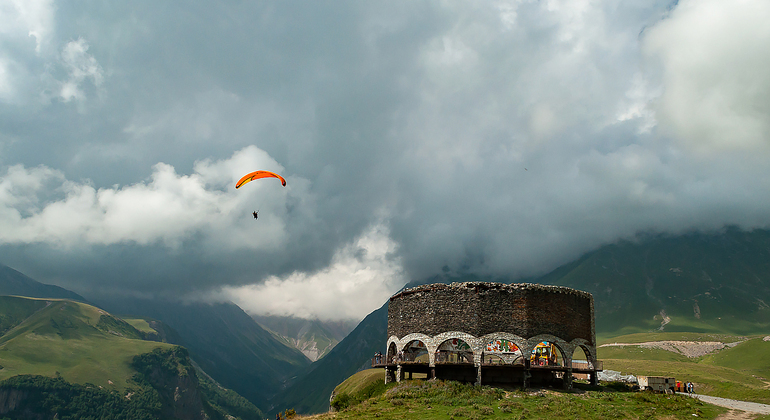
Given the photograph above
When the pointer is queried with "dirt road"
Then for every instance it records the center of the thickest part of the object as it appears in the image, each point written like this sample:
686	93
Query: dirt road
734	404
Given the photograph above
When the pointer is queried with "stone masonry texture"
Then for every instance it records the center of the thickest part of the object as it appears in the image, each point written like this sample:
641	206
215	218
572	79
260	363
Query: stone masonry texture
480	308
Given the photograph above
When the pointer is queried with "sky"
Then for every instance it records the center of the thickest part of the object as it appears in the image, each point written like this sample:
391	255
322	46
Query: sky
499	138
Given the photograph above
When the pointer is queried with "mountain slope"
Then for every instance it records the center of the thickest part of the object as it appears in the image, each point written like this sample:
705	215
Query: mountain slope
15	283
697	282
310	392
226	342
313	337
79	342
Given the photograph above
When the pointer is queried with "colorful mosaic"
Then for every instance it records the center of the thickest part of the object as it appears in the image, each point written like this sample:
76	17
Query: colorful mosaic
501	346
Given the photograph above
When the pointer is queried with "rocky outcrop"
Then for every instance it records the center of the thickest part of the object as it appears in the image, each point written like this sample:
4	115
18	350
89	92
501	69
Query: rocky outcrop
172	375
11	399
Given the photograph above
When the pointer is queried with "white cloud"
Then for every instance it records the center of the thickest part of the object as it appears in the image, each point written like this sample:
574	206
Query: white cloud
81	67
39	205
28	18
6	83
714	57
361	276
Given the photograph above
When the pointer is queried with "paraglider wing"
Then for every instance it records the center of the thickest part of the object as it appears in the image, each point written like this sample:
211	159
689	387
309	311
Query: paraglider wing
257	175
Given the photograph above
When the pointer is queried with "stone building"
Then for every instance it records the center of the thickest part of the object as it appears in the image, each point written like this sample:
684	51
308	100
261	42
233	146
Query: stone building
491	333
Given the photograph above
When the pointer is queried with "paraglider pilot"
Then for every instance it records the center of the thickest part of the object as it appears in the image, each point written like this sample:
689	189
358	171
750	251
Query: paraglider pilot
255	214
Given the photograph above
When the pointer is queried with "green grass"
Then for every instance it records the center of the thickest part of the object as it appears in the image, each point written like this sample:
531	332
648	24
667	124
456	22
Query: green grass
751	357
360	380
140	324
667	336
79	342
713	380
638	353
452	400
15	310
741	372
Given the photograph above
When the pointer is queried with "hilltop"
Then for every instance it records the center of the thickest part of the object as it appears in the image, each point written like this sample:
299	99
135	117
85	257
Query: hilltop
364	396
77	341
64	358
222	339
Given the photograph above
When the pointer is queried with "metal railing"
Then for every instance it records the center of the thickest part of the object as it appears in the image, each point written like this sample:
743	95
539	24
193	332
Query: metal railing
382	360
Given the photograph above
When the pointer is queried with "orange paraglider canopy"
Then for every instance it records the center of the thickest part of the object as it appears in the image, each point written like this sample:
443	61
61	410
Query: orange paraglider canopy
257	175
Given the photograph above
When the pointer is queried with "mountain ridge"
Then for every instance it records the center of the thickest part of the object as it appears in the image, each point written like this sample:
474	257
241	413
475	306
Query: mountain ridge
313	337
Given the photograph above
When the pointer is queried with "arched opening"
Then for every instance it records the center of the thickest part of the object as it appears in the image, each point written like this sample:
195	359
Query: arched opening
546	354
580	359
415	351
392	352
454	350
580	364
501	351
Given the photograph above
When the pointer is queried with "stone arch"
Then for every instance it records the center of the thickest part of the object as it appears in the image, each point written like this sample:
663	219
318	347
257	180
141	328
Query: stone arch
412	337
472	341
588	349
392	351
416	348
562	346
509	358
454	350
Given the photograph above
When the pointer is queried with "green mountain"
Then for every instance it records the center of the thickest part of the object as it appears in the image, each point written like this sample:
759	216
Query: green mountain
15	283
66	359
222	339
225	342
313	337
79	341
717	283
309	392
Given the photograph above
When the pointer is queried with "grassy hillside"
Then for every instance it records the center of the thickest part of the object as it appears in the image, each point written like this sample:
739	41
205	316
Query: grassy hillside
448	400
79	342
741	372
15	283
310	392
711	283
65	359
225	342
165	386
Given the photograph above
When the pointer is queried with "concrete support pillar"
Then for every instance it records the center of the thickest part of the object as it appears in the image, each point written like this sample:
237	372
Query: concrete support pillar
568	379
399	374
410	375
432	372
389	376
478	357
594	378
527	375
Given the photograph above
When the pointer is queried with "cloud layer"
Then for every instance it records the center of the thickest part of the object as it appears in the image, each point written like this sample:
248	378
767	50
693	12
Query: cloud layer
504	137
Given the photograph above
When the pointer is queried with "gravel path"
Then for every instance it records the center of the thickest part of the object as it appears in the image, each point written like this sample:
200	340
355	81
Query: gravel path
734	404
686	348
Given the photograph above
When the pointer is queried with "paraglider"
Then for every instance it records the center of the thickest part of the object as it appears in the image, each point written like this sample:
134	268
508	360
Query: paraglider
257	175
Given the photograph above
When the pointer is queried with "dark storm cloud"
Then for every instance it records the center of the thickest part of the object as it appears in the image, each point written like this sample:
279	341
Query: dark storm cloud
501	138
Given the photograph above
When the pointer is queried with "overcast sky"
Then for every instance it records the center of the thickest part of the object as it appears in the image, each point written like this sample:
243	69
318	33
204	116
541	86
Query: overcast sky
492	137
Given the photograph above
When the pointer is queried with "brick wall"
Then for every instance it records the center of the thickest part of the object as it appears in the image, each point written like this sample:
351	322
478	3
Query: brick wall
476	308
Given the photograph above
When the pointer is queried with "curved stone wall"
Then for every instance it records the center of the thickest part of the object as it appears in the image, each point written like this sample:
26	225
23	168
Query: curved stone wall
474	310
